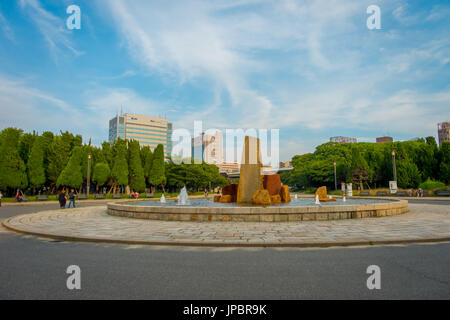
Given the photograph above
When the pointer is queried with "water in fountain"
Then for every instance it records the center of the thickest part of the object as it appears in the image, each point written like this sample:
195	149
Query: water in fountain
183	197
317	199
162	199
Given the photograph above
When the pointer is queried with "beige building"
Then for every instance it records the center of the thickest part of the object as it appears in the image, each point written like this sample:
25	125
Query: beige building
149	131
208	147
443	132
384	139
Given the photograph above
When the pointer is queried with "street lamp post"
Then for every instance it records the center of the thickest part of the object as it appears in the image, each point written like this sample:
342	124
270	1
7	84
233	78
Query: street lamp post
335	181
88	174
394	166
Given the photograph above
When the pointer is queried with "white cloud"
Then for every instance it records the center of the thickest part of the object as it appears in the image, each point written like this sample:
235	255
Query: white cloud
6	28
52	28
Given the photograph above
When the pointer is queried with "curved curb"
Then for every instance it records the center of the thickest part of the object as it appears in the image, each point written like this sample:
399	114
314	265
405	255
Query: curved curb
7	225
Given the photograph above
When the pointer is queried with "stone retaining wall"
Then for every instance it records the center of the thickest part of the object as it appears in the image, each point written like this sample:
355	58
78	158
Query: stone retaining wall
258	214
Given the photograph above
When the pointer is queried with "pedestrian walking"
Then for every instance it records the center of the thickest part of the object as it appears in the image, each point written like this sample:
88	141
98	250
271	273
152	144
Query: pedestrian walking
206	193
62	199
71	198
1	196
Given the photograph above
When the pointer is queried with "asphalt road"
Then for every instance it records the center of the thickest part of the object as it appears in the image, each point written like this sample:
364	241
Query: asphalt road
32	268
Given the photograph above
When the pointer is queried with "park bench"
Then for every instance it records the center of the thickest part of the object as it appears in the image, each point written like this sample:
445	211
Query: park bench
402	193
100	196
41	197
381	193
24	198
117	196
149	195
442	192
82	196
364	193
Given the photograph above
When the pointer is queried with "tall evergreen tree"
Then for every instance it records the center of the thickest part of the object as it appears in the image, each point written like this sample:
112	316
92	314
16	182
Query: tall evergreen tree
119	172
137	179
59	154
101	173
12	168
71	176
157	175
148	164
36	170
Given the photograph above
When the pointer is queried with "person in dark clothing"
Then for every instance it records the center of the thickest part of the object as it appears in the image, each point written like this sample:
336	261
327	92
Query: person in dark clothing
71	198
62	199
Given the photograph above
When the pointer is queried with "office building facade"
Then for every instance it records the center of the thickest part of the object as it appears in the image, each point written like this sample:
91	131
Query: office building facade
149	131
443	132
384	139
341	139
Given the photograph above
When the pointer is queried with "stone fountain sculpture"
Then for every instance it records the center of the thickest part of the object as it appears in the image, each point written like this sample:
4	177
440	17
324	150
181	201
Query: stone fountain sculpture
253	187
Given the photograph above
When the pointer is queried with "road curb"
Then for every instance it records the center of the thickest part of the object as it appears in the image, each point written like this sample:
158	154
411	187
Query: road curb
60	237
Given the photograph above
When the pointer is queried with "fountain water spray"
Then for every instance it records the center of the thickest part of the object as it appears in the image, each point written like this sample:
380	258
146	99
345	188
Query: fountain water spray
183	197
162	199
317	199
344	199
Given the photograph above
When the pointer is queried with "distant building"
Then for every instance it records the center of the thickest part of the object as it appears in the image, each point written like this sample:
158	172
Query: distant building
341	139
149	131
229	167
443	132
208	147
286	164
384	139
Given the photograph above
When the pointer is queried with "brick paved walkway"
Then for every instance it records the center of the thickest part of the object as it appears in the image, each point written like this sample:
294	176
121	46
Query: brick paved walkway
422	224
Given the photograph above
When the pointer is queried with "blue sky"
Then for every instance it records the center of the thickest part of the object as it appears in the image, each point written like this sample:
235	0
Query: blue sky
310	68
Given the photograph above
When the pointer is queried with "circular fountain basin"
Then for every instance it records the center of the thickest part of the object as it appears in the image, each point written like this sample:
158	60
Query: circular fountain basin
297	210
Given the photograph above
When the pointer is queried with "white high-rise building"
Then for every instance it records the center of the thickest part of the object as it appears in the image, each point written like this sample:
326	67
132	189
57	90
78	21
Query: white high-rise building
208	147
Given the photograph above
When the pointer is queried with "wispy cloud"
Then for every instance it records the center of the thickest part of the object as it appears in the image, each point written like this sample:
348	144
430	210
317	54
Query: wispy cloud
6	28
52	28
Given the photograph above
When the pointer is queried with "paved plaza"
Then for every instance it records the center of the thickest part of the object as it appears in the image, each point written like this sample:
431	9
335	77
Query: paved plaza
423	223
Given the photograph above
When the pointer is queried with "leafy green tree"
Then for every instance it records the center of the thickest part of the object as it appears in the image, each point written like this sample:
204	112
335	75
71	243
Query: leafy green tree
148	163
59	154
157	175
71	175
444	168
119	172
36	170
25	144
408	174
12	168
101	173
137	179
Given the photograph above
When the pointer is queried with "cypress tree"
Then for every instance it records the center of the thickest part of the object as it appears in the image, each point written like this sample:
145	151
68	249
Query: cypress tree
12	168
71	176
119	171
137	179
157	173
36	171
148	164
101	173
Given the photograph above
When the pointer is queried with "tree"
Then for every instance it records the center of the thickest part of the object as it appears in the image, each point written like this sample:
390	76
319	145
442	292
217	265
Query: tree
137	179
25	144
119	172
71	176
148	163
36	170
157	173
59	154
101	173
12	168
444	168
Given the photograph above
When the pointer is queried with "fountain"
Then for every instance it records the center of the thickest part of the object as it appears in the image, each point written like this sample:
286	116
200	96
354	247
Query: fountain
257	198
183	198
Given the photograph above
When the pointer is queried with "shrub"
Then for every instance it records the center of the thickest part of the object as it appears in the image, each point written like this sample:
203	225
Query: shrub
431	184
